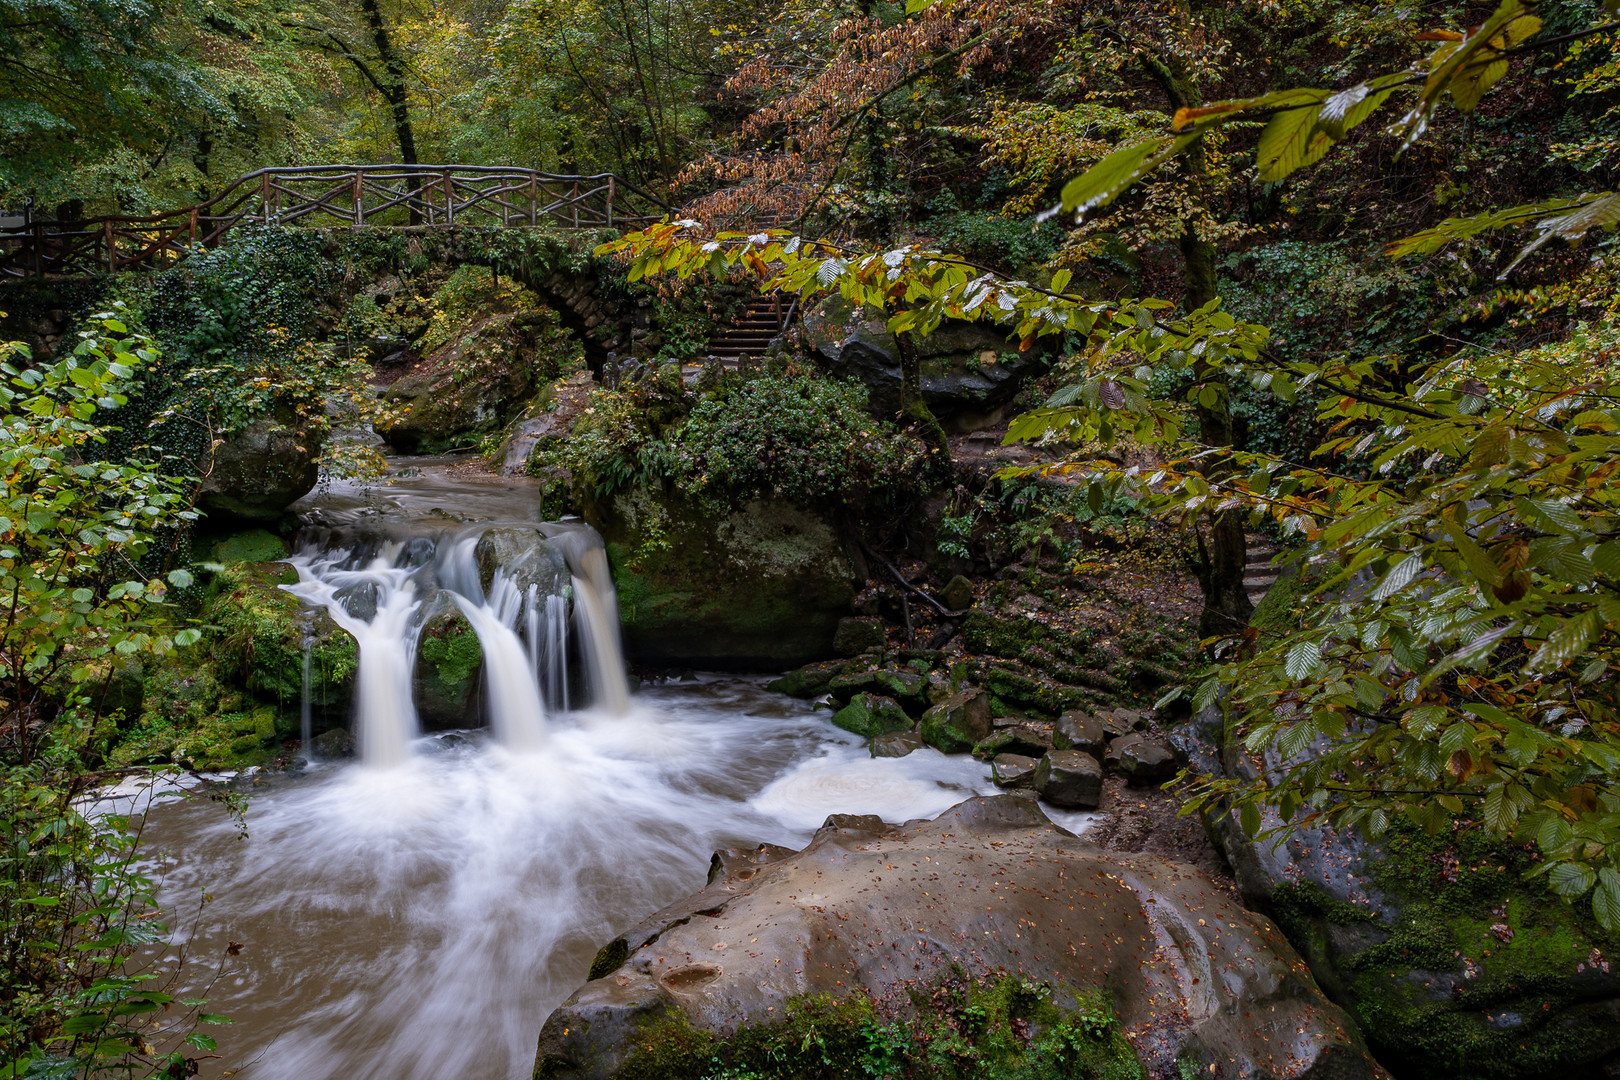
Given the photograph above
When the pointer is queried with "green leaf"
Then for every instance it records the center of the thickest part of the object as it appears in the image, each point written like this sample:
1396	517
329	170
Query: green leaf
1103	182
1566	642
188	636
1287	142
180	579
1400	576
1606	899
1249	819
1570	879
1303	658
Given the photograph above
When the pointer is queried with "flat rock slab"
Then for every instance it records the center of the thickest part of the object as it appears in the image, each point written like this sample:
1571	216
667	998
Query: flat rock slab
991	886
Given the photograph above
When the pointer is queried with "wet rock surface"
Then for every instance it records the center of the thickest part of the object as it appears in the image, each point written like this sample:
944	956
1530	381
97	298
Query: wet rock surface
259	471
990	886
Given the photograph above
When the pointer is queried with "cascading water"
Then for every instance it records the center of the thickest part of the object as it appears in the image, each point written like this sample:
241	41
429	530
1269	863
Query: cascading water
305	721
381	600
384	712
419	921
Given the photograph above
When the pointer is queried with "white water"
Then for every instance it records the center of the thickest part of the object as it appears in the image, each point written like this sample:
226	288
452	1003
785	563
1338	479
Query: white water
384	713
518	674
420	922
515	711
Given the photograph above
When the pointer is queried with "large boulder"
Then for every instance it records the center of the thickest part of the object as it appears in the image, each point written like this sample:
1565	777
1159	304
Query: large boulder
988	936
968	368
1456	962
524	555
471	386
760	587
259	470
872	715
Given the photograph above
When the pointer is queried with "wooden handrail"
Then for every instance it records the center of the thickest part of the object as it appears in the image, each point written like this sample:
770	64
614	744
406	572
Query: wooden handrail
353	195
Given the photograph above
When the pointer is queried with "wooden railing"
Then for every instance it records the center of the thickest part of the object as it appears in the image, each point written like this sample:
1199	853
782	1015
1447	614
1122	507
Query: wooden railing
355	195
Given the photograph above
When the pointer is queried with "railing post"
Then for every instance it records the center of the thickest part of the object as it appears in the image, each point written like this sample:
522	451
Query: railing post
534	197
611	181
576	204
264	196
193	226
359	214
112	248
39	249
449	200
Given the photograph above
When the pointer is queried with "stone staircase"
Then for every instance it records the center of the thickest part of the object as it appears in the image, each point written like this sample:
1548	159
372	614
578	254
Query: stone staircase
1259	575
751	333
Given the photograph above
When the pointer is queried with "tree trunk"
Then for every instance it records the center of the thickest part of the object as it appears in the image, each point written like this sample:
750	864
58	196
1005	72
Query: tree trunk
393	83
1223	560
914	410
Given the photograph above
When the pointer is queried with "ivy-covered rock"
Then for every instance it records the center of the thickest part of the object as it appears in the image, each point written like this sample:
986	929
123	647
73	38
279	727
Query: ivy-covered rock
760	586
872	715
449	661
978	944
958	723
258	471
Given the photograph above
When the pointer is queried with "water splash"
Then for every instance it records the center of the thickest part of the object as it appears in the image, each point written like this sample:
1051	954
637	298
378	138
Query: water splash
515	710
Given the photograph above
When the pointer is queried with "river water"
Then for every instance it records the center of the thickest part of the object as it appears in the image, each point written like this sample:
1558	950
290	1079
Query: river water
416	915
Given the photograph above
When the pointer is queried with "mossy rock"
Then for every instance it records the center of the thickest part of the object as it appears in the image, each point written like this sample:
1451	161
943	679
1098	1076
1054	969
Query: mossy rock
809	681
250	546
872	715
757	587
906	687
448	662
261	638
957	724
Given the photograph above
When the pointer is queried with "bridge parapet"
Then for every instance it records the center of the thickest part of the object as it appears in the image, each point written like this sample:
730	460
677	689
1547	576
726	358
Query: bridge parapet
354	195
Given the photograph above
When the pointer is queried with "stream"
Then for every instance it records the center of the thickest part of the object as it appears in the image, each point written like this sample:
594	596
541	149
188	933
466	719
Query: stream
416	914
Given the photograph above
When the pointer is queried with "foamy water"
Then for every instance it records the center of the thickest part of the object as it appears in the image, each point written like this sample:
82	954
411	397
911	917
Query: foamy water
419	922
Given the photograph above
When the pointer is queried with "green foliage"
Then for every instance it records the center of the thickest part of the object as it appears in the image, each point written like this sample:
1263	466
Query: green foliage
797	437
73	531
991	1028
72	898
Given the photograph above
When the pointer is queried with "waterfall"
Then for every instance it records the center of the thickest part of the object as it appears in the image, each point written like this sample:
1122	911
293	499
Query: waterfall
522	631
384	712
556	650
515	711
596	607
305	724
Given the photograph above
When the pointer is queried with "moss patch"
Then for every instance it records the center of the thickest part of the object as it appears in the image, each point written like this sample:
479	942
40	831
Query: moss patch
985	1029
1478	971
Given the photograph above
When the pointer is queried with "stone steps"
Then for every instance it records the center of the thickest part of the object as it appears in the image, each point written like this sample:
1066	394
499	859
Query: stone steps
752	332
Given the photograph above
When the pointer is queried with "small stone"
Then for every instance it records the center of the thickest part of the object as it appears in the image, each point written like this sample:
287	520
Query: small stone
957	594
1013	771
1017	739
1079	730
896	744
1069	779
872	715
856	634
956	724
939	687
1141	760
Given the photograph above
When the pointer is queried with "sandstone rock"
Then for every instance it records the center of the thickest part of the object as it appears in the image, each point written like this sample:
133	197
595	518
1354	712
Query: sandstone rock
525	556
1069	780
856	634
907	687
1013	771
337	743
872	715
1141	760
956	724
259	470
990	888
1016	739
896	744
1079	730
